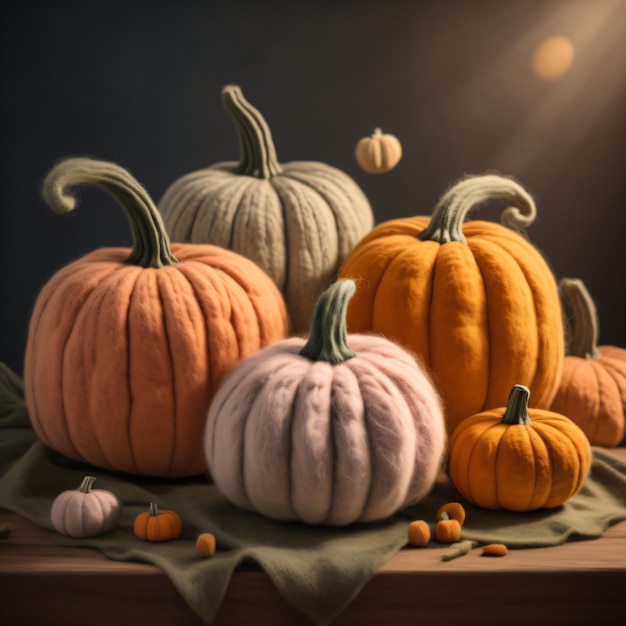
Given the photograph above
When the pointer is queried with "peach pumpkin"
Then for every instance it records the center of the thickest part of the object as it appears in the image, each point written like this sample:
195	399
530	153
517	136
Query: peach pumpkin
126	347
331	430
592	391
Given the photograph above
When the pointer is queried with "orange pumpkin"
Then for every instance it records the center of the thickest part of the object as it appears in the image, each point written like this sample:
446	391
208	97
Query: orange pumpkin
126	347
157	525
592	392
476	302
518	459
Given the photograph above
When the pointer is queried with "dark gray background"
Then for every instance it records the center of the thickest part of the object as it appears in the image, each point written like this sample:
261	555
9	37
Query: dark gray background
138	83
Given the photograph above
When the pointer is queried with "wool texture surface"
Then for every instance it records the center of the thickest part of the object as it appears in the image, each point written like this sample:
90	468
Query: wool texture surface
122	361
482	315
298	225
306	440
318	570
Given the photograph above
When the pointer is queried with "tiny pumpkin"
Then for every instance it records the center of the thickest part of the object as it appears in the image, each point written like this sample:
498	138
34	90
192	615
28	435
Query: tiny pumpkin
148	331
475	301
85	512
592	392
447	530
518	459
331	430
296	220
157	524
206	545
418	533
453	510
379	153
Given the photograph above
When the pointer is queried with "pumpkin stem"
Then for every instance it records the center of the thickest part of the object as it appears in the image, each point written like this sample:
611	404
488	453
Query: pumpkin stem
328	337
87	484
378	132
258	154
454	205
154	509
585	327
151	244
517	406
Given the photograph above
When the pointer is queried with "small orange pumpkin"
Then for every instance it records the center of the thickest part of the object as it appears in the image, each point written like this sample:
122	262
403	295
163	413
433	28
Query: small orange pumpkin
447	530
518	459
206	545
592	392
157	525
127	346
453	510
418	533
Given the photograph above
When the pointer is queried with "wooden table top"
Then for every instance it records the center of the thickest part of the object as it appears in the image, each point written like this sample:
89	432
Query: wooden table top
580	582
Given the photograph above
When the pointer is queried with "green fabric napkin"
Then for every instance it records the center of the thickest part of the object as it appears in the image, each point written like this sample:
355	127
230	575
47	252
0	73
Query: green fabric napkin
317	570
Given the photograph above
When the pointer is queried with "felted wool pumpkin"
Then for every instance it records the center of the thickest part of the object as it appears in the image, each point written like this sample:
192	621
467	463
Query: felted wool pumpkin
379	153
518	459
418	533
205	545
475	301
447	530
331	430
296	220
592	391
157	525
451	510
127	346
85	512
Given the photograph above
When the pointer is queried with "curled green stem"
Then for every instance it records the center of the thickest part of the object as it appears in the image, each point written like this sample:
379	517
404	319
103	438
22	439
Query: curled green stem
585	328
452	208
151	247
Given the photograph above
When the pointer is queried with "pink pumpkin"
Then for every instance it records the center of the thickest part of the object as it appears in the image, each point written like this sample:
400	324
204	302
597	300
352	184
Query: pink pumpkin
314	431
85	512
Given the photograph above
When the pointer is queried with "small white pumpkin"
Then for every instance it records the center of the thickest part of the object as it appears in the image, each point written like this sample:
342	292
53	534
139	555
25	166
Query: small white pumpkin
85	512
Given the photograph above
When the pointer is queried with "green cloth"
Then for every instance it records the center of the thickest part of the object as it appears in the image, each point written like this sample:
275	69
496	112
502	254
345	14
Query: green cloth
317	570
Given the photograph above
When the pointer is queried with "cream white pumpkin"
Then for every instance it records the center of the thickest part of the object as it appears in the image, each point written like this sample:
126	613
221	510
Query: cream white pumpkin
297	220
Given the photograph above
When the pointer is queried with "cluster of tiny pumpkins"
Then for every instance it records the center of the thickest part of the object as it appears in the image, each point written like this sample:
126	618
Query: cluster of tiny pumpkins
219	343
88	512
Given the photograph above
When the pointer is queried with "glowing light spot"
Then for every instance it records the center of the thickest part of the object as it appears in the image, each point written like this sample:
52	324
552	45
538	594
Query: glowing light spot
552	57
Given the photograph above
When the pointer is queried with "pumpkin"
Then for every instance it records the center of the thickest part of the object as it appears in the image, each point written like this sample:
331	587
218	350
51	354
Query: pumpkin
451	510
592	391
205	545
126	346
379	153
330	430
476	302
447	530
418	533
296	220
85	512
518	459
157	525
